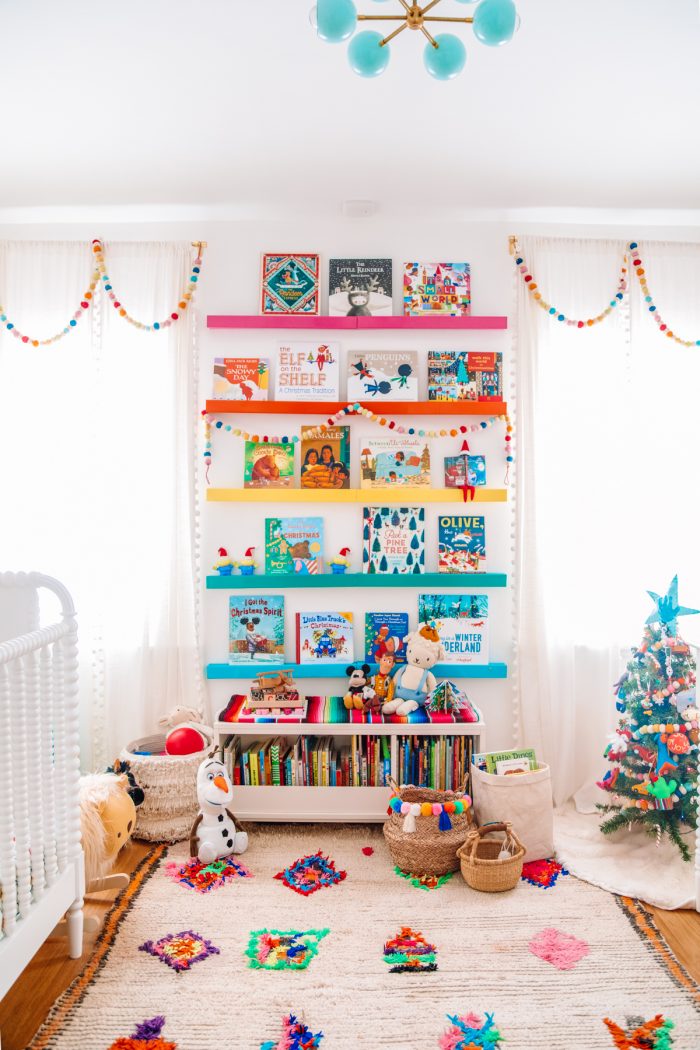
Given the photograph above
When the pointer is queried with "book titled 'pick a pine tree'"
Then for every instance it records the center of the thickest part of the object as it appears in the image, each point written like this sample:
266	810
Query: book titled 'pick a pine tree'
393	540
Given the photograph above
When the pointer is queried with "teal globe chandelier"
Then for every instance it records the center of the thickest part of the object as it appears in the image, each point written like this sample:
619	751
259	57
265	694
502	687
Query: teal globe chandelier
494	23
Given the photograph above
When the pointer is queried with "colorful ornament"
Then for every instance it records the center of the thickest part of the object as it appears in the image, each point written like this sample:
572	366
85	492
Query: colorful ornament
441	810
248	564
71	325
341	563
225	565
409	952
309	874
649	301
667	608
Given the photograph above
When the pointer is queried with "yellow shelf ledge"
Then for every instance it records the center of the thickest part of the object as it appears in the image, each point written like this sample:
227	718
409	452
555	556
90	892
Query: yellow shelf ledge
400	496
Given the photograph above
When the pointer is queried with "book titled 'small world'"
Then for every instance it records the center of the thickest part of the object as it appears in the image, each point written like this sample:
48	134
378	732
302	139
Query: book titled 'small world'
462	621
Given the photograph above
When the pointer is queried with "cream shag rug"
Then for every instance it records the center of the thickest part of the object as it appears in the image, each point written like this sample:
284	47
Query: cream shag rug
483	960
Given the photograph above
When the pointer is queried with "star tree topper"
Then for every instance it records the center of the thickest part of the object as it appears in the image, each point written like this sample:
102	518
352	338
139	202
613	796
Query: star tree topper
667	608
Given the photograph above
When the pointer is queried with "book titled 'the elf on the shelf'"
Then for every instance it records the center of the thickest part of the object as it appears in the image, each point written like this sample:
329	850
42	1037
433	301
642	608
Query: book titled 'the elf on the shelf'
461	543
268	464
241	378
290	283
325	637
436	288
462	621
458	375
256	628
307	371
359	287
400	462
293	545
382	375
325	458
393	540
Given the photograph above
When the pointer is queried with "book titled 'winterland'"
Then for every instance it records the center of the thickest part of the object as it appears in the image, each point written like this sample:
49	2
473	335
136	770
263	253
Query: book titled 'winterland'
290	284
393	540
241	378
462	621
461	543
436	288
307	372
359	287
256	628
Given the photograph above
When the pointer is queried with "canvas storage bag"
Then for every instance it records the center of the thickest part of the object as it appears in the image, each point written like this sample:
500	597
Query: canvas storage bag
523	800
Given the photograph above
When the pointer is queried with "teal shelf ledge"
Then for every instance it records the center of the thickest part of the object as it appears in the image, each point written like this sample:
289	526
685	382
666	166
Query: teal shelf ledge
472	581
249	671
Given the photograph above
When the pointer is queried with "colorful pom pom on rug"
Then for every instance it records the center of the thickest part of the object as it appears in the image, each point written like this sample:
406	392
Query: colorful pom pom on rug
283	949
309	874
204	877
182	950
654	1034
146	1037
295	1036
424	882
542	873
409	952
470	1032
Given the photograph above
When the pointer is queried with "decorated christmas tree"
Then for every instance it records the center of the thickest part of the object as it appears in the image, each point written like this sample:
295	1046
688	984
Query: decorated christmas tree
654	751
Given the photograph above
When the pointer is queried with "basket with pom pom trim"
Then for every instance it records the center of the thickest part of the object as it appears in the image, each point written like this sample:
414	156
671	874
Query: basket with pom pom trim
426	827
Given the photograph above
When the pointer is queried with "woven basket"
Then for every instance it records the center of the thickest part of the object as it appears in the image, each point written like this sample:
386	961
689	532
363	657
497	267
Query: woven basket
169	783
427	850
481	868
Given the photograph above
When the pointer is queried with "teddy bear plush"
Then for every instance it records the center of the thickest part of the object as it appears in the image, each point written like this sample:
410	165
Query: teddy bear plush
360	694
414	680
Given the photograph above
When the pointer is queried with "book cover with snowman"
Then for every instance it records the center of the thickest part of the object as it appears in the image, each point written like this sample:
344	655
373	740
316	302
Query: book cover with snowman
462	621
461	543
308	371
382	375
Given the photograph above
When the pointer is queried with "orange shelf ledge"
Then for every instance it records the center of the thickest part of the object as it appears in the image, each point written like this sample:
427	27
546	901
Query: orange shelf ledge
329	408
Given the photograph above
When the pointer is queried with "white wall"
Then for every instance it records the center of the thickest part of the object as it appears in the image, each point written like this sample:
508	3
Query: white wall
230	284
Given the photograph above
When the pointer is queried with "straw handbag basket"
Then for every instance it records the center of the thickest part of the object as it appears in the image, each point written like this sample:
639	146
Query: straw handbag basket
479	857
425	842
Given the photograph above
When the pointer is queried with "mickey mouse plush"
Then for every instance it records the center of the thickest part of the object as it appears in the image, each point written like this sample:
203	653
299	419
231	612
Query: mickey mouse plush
360	693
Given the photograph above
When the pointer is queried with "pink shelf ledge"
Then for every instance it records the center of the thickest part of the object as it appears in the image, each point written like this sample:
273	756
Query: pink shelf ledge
329	323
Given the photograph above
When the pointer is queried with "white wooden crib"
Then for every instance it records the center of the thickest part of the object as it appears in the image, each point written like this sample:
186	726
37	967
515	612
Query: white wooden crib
41	860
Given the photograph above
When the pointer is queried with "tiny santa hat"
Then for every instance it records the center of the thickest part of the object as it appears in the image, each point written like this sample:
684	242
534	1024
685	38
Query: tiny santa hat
249	552
344	551
223	553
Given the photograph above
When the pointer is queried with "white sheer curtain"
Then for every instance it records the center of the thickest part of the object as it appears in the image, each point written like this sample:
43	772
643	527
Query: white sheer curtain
97	437
608	449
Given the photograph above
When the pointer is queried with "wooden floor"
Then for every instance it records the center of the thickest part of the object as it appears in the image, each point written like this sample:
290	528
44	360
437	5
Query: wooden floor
51	971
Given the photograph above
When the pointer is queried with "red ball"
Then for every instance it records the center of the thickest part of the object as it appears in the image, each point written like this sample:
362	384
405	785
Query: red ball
174	317
184	740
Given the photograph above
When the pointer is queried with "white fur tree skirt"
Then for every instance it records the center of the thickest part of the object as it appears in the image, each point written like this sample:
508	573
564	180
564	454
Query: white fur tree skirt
627	862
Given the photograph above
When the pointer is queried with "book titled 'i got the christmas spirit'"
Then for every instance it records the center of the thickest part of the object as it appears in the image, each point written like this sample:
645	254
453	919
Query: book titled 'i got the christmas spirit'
256	628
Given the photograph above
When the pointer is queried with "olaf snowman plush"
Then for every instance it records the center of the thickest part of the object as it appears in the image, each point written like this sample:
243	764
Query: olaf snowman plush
213	833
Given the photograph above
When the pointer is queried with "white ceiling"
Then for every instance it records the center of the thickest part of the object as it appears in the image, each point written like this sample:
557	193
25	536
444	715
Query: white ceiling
236	103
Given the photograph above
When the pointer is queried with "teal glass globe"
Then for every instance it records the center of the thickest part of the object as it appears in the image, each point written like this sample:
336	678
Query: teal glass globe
335	20
366	56
447	59
495	22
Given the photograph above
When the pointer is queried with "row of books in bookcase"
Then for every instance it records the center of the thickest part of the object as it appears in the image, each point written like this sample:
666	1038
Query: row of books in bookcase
310	371
440	762
257	631
362	287
393	543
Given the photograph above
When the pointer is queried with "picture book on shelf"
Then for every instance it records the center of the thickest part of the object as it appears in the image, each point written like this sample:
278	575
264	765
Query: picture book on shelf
359	287
500	763
290	284
325	637
393	540
382	375
462	621
385	633
256	629
293	545
268	464
456	375
461	543
394	461
307	371
325	460
241	378
465	469
436	288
